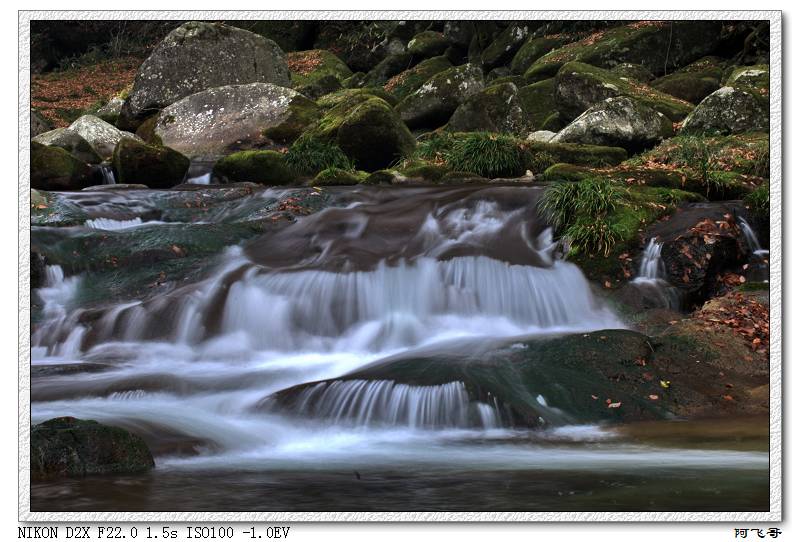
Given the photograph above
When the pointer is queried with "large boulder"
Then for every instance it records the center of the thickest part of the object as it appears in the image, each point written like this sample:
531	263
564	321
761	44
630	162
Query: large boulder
693	82
221	120
532	50
53	168
755	78
432	104
388	68
157	167
427	44
406	82
505	46
659	46
102	136
494	109
579	86
729	111
538	102
317	72
71	142
72	447
618	122
263	167
197	56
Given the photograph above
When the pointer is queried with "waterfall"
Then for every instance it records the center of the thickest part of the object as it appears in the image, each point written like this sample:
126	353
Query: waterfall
200	179
751	238
651	278
60	334
108	174
384	402
651	266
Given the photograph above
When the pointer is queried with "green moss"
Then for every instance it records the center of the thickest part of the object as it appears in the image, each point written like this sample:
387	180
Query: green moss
531	51
567	172
540	72
53	168
406	82
753	287
156	167
333	176
147	131
353	96
579	154
302	114
308	67
691	87
538	102
383	176
425	171
755	78
310	155
427	44
265	167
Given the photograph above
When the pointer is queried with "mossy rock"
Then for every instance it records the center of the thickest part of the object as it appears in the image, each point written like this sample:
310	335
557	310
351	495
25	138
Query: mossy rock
317	72
729	110
263	167
540	72
532	50
656	45
425	172
754	78
71	142
72	447
350	95
505	46
382	177
518	80
691	87
388	68
579	154
579	86
538	102
334	176
53	168
494	109
406	82
147	130
567	172
156	167
635	72
427	44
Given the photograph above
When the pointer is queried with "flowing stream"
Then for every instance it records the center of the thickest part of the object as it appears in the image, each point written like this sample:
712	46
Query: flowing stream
379	274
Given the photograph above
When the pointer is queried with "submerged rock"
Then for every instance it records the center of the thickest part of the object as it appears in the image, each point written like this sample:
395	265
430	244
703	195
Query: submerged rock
729	111
156	167
71	142
53	168
617	122
236	117
197	56
71	447
102	136
432	104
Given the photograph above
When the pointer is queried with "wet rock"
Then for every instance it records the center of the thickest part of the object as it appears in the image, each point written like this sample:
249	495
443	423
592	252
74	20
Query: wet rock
617	122
432	104
263	167
220	120
729	111
494	109
197	56
72	447
102	136
53	168
580	86
71	142
156	167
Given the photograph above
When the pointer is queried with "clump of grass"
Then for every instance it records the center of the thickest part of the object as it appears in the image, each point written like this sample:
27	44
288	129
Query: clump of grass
582	211
310	155
760	164
487	155
542	160
758	201
435	146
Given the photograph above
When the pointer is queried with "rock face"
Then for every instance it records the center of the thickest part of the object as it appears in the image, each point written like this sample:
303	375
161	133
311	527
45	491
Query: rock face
53	168
236	117
71	447
580	86
617	122
102	136
494	109
197	56
729	111
264	167
432	104
156	167
71	142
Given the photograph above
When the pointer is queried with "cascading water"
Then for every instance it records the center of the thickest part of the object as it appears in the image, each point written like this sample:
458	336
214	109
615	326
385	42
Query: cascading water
380	274
107	173
650	278
758	268
751	238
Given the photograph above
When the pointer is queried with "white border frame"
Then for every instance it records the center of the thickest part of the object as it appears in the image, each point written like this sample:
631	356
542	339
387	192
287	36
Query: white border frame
776	178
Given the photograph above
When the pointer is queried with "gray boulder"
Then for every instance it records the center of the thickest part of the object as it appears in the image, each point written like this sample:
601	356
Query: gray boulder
729	111
70	141
494	109
102	136
432	104
197	56
111	111
617	122
225	119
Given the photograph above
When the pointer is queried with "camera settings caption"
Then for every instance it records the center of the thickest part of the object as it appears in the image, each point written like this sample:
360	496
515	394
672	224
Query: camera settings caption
163	532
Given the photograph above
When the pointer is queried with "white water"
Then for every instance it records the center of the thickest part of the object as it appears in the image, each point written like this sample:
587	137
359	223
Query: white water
108	174
200	179
751	238
651	278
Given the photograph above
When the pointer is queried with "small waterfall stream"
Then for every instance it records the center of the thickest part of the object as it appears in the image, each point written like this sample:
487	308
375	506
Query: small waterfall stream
650	278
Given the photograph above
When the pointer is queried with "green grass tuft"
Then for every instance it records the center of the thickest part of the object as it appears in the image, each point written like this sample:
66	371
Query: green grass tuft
310	155
758	201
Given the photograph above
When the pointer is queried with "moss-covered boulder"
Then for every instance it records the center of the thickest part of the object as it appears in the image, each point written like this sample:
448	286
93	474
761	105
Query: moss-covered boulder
388	68
334	176
538	102
154	166
406	82
53	168
693	82
220	120
494	109
580	154
579	86
505	45
102	136
72	447
354	95
432	104
71	142
317	72
532	50
197	56
427	44
373	135
618	122
656	45
263	167
634	72
753	78
729	110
